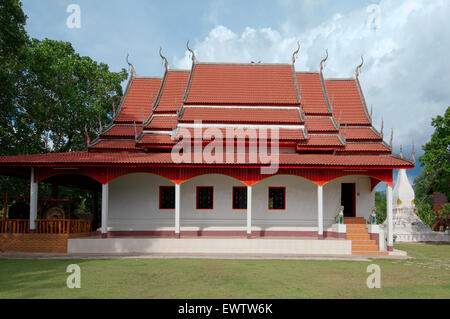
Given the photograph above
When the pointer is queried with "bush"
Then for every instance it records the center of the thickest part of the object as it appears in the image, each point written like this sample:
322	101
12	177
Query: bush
426	213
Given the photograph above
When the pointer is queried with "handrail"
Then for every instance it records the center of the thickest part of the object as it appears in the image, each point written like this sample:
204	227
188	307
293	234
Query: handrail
46	226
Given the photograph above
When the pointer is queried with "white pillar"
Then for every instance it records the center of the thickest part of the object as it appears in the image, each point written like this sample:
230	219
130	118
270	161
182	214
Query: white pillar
33	201
177	210
320	211
105	199
390	223
249	211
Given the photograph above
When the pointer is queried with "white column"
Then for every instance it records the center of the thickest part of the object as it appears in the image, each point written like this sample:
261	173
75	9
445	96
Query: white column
320	211
105	199
33	201
390	223
249	211
177	210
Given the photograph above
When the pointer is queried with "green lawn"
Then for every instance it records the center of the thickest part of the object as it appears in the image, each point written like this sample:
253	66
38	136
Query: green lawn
427	276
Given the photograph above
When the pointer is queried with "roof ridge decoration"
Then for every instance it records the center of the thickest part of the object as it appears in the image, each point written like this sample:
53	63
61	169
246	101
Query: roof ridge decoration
194	59
295	52
166	64
413	152
322	83
323	61
361	94
133	72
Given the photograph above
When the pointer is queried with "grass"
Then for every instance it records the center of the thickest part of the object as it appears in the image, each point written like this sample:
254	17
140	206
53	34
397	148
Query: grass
426	276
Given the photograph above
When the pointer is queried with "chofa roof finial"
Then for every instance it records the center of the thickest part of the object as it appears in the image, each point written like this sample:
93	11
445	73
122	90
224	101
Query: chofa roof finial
392	138
194	59
359	66
382	127
323	61
295	52
133	72
166	64
413	152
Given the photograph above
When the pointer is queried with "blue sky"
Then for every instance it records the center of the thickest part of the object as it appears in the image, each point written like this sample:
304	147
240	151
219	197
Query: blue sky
404	43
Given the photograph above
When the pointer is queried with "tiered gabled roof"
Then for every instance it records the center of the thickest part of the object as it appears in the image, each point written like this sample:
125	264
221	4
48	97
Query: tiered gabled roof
313	114
321	122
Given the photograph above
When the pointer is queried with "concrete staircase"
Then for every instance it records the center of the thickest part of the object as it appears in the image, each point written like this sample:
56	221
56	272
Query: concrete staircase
359	235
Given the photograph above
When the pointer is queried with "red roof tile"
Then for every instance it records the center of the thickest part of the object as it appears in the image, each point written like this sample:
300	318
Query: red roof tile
283	134
320	124
172	91
321	140
138	98
114	144
346	98
242	84
162	123
121	131
241	115
151	138
366	148
312	94
359	134
132	159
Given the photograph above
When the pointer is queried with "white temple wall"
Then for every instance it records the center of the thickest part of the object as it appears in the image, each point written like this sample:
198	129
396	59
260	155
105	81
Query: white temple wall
134	203
365	198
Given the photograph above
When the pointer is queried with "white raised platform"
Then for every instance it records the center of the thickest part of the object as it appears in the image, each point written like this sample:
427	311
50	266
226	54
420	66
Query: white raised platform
280	246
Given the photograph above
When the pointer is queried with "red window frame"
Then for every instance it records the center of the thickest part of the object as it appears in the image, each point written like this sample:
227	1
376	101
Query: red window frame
196	197
232	198
160	196
268	197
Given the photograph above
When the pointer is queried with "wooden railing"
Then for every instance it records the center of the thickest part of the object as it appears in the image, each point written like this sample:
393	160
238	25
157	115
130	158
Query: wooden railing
14	226
62	226
46	226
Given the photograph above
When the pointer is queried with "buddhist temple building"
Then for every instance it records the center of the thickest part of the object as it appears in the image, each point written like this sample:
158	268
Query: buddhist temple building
233	150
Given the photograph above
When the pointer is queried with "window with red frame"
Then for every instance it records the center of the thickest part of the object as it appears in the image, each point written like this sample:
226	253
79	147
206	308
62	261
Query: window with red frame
239	197
205	198
166	197
277	197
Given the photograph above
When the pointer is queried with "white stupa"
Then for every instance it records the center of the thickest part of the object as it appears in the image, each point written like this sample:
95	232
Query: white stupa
408	227
403	193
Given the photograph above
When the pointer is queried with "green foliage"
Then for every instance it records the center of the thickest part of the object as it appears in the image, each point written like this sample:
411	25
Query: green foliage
426	213
49	94
380	205
61	92
437	154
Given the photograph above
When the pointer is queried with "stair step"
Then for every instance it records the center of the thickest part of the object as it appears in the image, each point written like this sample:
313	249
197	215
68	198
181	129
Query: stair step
364	248
364	242
354	220
357	237
373	253
357	231
356	226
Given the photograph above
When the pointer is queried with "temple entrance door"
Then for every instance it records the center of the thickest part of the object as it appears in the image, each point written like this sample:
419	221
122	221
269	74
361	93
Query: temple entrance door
348	199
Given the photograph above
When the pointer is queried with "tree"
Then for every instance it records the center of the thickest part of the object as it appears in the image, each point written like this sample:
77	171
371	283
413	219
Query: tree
380	205
437	154
61	93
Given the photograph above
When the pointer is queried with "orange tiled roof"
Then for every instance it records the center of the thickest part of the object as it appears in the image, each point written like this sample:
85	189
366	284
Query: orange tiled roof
312	94
242	84
241	115
172	91
138	100
345	97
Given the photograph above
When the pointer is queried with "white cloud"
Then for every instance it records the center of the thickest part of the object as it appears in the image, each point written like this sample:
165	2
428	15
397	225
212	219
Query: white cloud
406	71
